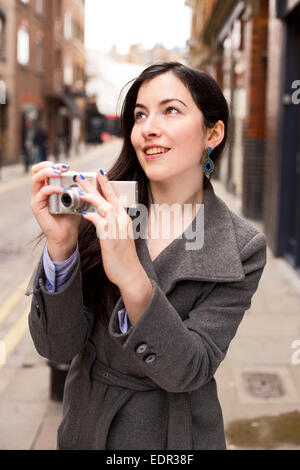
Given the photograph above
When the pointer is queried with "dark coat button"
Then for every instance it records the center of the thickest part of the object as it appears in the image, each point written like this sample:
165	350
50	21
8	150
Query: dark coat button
38	312
141	348
105	374
150	358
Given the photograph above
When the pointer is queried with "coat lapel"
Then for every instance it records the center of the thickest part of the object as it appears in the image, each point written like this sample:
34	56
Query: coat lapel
216	259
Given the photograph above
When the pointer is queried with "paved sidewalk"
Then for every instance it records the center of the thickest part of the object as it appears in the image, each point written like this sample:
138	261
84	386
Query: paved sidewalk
257	378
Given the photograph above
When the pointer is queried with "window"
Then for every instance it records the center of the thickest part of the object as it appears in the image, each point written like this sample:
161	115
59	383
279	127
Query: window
24	1
2	92
58	71
68	27
39	55
2	36
58	56
57	29
39	7
23	46
68	71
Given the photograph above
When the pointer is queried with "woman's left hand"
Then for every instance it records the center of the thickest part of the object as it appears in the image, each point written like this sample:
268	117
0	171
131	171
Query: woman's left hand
114	229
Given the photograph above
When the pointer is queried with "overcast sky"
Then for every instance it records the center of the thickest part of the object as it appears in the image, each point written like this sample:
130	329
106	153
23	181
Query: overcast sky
126	22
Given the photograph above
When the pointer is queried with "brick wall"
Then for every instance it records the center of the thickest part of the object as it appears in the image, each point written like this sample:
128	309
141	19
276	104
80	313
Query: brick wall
256	34
7	71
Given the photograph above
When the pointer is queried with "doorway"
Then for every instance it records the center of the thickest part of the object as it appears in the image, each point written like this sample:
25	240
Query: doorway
290	165
293	239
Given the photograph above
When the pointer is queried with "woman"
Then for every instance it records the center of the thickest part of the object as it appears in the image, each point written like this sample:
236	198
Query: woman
147	320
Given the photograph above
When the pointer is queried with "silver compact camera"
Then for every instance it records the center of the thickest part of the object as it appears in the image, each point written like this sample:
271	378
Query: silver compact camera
69	201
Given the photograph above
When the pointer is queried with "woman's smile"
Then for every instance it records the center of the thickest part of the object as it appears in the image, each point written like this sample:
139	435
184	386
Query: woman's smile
155	151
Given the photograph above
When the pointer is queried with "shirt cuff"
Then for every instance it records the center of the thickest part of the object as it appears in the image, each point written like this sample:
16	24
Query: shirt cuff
57	273
124	322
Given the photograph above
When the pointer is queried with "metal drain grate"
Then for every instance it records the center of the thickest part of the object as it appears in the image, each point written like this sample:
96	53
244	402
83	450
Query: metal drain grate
263	385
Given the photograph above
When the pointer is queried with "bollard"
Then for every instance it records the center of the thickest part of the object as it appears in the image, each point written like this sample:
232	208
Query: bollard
58	374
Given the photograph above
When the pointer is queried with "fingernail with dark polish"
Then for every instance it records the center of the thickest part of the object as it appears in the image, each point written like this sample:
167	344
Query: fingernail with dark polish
82	193
54	167
102	172
81	177
85	213
65	166
57	172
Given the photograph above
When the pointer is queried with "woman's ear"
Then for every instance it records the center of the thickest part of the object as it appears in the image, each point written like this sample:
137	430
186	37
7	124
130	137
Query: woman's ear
215	135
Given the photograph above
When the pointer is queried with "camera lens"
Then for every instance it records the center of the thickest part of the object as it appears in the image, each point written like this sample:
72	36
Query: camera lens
66	200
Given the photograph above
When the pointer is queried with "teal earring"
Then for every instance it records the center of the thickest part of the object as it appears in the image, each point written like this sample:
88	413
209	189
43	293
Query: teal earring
208	165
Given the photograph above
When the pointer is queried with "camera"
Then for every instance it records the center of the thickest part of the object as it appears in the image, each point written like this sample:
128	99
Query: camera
69	201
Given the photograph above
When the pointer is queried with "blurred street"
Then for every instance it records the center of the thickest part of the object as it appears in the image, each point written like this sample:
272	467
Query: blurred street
29	418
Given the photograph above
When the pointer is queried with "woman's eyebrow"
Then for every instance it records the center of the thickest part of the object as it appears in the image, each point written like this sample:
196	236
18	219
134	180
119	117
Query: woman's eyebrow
172	99
139	105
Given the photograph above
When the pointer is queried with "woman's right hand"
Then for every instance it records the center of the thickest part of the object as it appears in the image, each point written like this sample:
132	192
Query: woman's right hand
61	231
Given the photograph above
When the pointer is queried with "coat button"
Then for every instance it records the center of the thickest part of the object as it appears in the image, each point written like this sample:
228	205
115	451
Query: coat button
37	308
141	348
150	358
105	374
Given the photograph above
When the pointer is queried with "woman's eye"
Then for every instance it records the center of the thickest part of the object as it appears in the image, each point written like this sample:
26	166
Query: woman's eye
138	115
172	110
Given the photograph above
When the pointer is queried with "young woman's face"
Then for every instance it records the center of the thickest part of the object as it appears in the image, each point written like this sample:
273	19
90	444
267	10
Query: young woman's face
168	134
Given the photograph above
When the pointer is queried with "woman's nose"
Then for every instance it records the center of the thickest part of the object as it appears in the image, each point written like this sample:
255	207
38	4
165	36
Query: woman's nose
151	127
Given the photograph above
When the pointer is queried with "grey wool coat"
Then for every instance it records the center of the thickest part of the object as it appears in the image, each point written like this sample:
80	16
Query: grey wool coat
153	387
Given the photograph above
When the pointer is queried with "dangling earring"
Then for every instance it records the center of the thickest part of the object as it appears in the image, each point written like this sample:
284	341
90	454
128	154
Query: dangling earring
208	165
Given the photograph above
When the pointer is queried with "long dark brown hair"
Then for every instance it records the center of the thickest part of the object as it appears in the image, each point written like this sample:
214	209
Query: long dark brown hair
99	293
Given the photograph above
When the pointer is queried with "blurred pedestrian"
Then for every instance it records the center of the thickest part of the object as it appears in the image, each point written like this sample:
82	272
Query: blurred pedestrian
67	146
41	143
27	143
147	321
57	148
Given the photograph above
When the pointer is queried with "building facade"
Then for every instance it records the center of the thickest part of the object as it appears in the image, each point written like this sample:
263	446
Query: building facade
229	41
252	49
65	75
7	81
43	50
